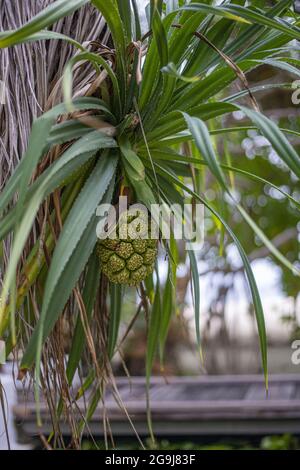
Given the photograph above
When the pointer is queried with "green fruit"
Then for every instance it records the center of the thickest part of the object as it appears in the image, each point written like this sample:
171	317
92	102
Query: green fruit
129	257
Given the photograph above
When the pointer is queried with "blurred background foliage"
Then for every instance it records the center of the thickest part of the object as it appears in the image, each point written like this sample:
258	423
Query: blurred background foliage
283	442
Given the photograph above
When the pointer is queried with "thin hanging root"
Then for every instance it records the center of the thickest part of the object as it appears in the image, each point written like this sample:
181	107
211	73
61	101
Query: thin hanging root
4	411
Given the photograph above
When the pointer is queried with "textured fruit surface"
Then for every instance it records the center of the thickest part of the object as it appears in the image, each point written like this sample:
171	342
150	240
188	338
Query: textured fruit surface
129	257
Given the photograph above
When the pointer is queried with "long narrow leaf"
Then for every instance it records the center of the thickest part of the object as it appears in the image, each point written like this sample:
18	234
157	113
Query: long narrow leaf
250	276
48	16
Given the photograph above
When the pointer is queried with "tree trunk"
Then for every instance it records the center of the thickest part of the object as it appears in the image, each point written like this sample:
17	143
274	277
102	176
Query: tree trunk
30	72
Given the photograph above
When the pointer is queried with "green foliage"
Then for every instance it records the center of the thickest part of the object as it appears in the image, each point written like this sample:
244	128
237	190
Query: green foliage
283	442
145	113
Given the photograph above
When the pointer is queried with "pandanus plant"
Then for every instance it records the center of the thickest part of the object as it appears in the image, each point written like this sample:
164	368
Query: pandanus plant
146	126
